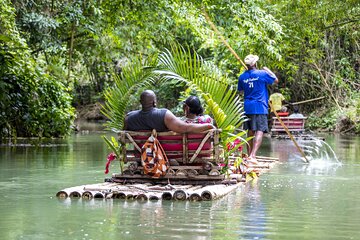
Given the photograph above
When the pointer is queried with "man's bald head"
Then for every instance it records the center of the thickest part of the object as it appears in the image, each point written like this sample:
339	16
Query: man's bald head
148	99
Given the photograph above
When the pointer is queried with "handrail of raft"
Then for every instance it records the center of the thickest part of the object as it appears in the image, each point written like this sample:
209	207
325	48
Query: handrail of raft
192	147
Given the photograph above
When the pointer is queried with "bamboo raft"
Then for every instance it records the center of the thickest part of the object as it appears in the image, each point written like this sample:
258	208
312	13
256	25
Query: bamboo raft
195	176
145	192
157	190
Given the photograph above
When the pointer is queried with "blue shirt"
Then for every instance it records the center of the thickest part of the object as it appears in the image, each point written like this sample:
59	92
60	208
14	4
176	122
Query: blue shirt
253	82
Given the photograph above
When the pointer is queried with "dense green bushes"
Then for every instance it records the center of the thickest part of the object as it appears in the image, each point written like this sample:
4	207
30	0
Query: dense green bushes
76	45
32	103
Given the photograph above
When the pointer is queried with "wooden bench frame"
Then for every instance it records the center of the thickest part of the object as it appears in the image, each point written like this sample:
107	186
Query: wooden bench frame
132	146
195	166
294	124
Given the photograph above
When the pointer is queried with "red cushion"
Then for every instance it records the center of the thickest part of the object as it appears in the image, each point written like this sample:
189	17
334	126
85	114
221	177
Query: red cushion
283	114
177	145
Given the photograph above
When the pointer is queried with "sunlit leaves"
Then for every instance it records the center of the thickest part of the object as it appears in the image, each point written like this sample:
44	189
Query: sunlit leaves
181	64
134	76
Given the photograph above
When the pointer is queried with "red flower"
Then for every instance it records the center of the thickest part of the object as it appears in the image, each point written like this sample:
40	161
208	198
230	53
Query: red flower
237	142
229	146
111	157
233	144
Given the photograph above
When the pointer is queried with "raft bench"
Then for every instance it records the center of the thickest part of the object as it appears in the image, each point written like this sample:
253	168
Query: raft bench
193	157
295	125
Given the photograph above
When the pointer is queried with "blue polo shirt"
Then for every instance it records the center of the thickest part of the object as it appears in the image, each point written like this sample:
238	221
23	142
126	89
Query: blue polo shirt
253	82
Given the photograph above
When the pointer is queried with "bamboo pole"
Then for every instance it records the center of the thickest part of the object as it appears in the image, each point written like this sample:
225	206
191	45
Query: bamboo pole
267	158
66	192
76	194
142	197
120	195
238	58
212	25
195	197
131	196
288	133
216	191
167	196
88	195
155	196
180	195
305	101
99	195
208	195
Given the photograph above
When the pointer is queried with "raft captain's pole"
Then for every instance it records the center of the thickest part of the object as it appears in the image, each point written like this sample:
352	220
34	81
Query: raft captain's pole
212	25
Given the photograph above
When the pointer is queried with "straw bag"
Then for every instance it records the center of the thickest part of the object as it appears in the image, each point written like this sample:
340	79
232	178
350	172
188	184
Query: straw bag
153	157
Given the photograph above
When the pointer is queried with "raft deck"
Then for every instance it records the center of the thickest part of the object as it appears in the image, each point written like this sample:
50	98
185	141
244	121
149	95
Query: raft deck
119	187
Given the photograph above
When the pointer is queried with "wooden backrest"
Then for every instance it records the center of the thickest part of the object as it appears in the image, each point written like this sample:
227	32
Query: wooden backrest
293	124
185	148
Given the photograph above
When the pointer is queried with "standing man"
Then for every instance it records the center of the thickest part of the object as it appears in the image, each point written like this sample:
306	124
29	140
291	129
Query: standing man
254	84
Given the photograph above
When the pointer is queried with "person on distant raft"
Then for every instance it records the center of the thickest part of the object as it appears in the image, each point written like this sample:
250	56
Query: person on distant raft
194	112
161	119
277	100
296	113
253	83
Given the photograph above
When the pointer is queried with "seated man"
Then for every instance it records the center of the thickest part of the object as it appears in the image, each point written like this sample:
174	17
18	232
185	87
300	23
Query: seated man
296	113
161	119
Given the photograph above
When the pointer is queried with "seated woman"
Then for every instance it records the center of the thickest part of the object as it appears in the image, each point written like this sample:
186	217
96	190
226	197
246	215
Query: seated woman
194	111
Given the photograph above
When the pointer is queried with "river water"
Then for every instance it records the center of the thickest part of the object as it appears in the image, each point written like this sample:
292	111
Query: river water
292	201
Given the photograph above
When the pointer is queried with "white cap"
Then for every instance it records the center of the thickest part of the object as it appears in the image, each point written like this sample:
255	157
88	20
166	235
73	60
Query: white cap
251	59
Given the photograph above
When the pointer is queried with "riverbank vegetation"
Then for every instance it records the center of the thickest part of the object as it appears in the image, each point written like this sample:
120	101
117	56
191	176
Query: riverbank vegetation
60	55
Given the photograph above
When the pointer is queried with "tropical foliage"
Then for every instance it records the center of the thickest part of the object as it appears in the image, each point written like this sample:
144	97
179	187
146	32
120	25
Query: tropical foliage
33	103
81	46
178	65
184	66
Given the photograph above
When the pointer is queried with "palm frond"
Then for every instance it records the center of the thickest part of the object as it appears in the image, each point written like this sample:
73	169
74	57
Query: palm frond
134	76
220	97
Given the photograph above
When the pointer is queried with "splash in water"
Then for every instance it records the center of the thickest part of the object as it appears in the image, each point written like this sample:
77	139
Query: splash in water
319	153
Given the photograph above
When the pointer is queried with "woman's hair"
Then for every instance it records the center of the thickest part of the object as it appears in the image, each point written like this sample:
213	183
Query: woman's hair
194	105
296	109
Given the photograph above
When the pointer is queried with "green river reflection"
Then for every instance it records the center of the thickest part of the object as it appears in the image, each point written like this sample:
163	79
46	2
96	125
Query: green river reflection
292	201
